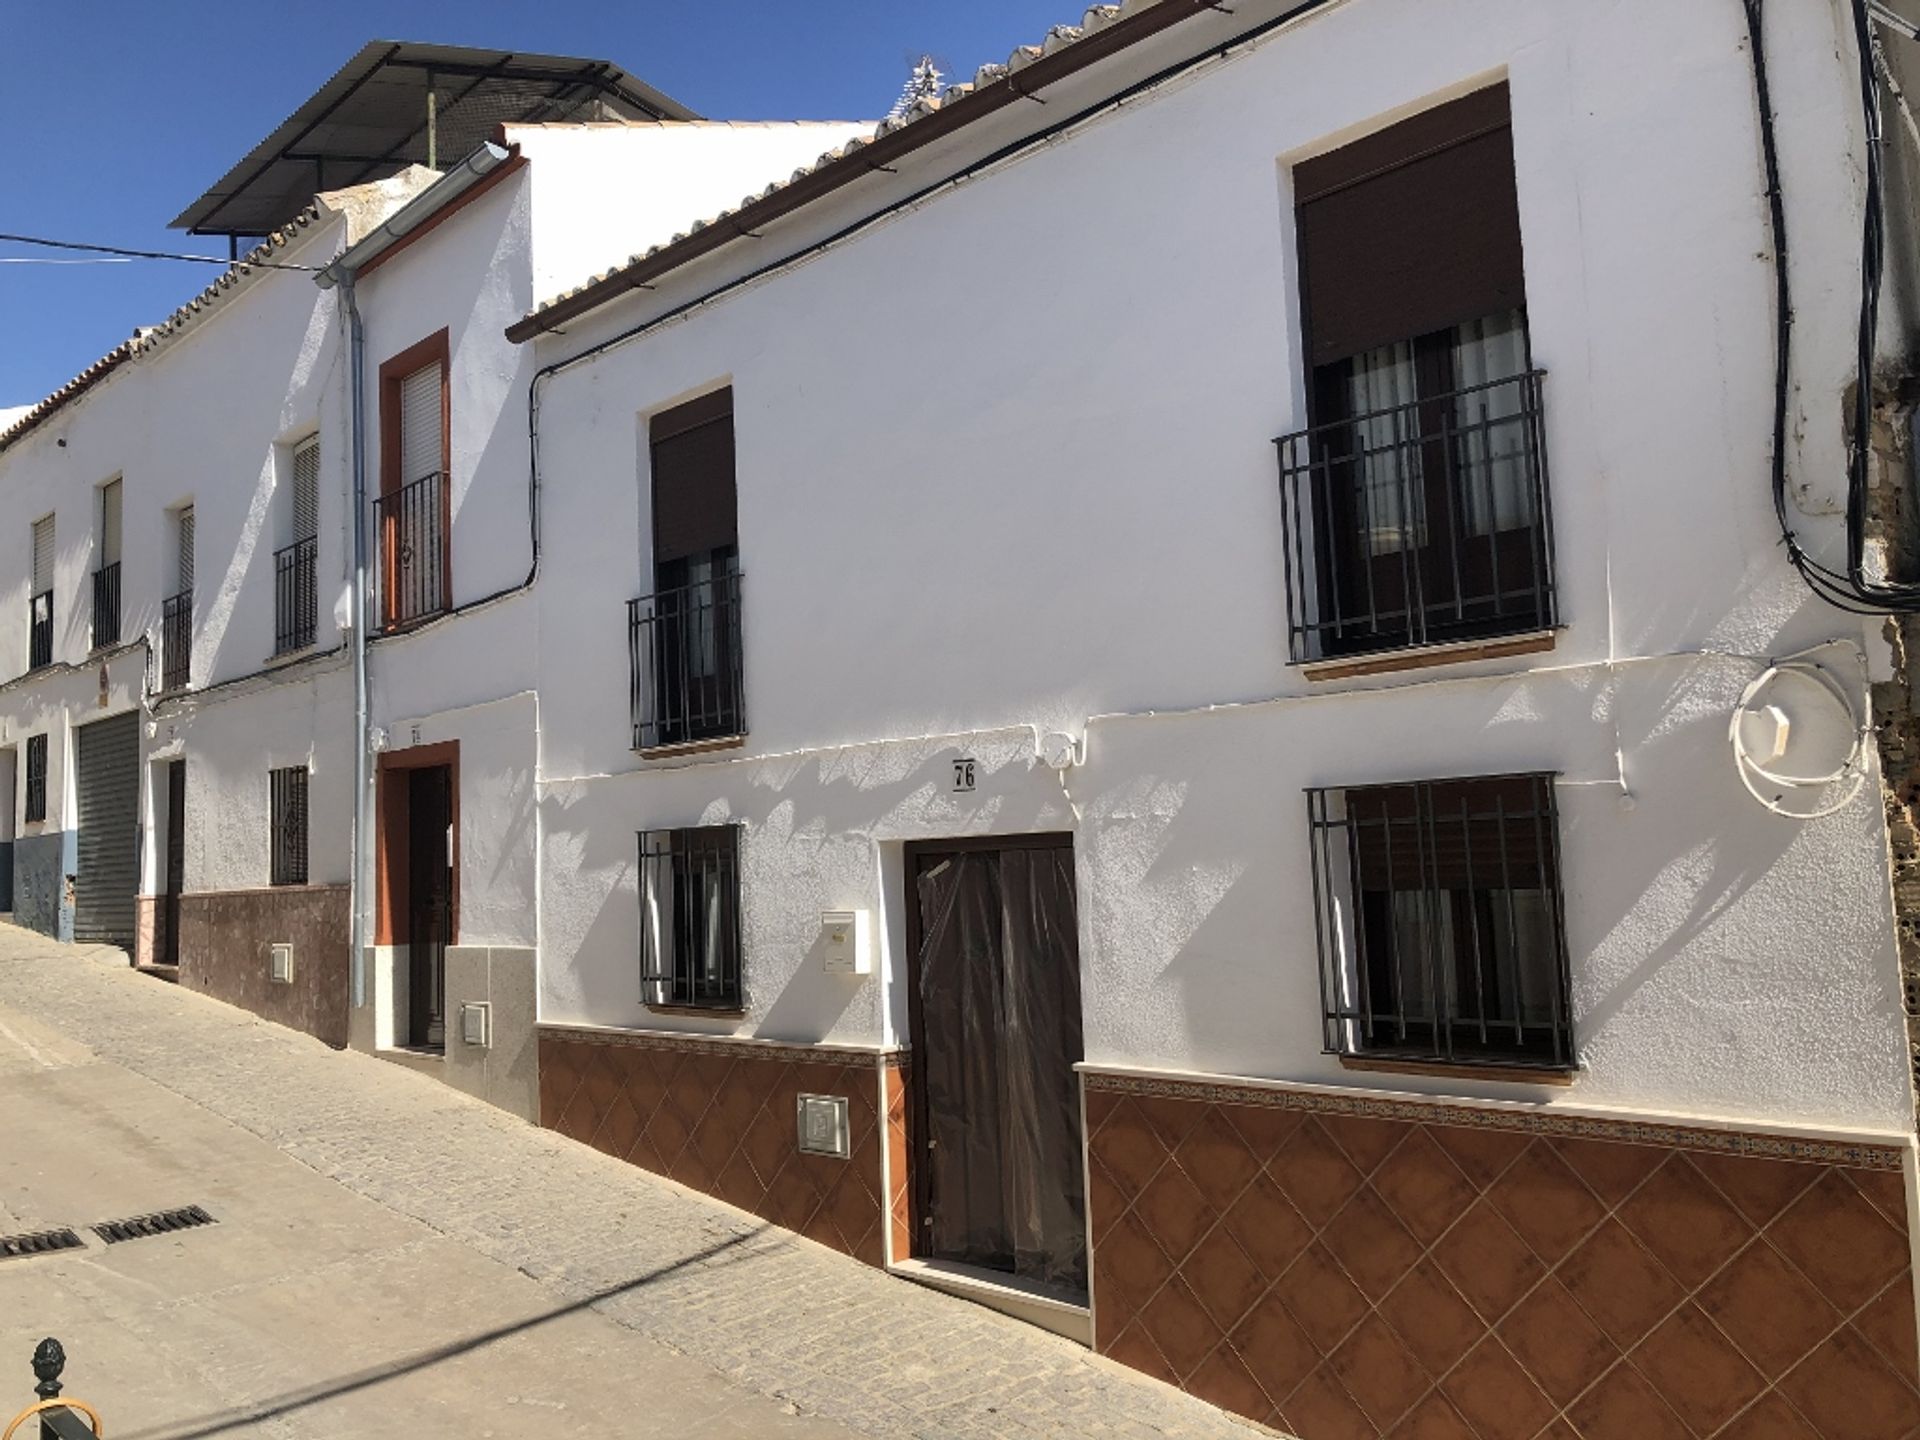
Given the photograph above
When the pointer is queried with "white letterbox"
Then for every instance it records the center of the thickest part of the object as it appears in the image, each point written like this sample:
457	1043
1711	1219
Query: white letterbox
844	942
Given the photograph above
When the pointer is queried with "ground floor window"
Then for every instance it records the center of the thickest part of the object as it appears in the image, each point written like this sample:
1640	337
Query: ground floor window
36	779
288	865
1440	921
690	917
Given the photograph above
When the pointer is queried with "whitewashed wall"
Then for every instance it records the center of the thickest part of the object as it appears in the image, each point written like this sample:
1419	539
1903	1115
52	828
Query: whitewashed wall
602	193
208	417
1004	461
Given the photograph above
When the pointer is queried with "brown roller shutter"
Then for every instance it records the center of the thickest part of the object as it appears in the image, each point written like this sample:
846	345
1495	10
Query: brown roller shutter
694	507
1410	230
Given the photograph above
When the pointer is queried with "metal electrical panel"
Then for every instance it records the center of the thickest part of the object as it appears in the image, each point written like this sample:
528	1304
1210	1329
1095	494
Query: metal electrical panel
823	1125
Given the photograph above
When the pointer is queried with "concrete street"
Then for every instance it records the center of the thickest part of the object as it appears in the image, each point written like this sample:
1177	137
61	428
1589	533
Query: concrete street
394	1259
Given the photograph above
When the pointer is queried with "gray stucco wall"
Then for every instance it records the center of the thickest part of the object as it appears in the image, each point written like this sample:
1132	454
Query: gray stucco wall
40	865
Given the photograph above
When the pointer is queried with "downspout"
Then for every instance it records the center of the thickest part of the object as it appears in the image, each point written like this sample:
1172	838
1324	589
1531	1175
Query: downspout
362	821
341	273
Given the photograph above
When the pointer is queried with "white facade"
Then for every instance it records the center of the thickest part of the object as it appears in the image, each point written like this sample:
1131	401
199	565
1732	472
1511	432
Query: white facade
1012	547
1004	468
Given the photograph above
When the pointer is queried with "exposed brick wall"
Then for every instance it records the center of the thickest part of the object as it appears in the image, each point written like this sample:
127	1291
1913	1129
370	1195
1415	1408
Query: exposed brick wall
1897	728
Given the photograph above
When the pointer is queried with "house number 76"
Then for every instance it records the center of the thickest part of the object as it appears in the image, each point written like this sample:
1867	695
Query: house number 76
962	776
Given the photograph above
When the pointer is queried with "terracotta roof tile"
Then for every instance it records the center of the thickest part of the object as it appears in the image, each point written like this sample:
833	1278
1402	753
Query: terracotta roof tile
1094	20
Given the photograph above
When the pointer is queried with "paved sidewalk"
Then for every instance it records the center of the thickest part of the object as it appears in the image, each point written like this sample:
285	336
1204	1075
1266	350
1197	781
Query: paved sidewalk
449	1214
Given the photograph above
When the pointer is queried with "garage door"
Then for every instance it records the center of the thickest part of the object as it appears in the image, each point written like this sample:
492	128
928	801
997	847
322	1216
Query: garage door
109	840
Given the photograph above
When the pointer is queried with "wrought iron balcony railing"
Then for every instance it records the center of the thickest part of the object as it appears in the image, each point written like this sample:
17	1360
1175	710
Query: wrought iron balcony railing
40	630
296	605
1419	524
106	606
415	580
687	682
176	641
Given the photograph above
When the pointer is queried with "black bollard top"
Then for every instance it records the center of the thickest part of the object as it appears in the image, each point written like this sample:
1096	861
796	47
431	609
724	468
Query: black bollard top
49	1359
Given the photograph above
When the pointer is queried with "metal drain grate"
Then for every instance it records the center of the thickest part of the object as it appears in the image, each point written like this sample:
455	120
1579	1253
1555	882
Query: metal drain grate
162	1223
40	1242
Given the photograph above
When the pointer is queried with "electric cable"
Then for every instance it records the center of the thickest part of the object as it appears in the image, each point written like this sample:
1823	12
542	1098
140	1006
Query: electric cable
127	254
1854	762
1852	589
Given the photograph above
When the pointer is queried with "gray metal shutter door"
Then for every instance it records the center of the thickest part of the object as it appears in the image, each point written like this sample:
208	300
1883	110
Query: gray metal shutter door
420	446
110	523
185	538
109	841
42	555
306	490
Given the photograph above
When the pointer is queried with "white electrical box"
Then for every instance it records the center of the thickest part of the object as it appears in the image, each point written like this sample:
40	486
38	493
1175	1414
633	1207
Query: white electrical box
844	942
280	965
476	1024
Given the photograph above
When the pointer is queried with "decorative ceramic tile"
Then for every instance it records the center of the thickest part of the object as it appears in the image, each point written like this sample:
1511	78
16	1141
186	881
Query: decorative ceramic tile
719	1116
1432	1271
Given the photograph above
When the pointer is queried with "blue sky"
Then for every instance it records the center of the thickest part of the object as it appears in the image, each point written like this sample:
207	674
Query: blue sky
119	112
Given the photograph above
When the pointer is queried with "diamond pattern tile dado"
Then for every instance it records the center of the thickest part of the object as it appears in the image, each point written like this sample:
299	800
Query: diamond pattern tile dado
1390	1270
719	1116
899	1213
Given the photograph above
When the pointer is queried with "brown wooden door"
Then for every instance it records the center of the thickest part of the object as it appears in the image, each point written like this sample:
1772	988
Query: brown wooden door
176	862
429	900
995	1017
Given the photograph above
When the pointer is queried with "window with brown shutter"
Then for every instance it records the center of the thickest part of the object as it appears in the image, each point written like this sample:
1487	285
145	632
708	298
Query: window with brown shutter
1415	499
695	509
685	638
413	516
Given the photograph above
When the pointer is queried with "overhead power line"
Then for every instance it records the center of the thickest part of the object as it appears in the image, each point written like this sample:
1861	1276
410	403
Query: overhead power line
124	253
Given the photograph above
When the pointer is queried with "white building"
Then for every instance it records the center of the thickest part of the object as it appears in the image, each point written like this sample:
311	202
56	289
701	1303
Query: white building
1325	892
1288	913
186	751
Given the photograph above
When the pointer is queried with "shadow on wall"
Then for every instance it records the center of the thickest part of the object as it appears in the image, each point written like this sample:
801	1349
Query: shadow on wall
812	850
1694	917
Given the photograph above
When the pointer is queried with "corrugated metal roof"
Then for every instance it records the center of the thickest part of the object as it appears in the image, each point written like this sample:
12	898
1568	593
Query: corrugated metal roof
370	120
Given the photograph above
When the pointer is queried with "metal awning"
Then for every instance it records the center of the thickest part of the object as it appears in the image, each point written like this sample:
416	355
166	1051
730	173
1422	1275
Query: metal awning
397	104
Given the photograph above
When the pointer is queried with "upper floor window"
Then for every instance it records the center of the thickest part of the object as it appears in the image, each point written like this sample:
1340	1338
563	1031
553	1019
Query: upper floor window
1440	921
106	576
687	681
296	607
176	611
414	514
36	798
1415	501
40	597
690	917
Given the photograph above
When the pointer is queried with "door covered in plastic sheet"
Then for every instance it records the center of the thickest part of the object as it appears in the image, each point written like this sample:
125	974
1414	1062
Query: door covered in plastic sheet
995	1000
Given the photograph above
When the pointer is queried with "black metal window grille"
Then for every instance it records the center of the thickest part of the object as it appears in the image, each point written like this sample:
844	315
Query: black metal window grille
1420	522
106	606
414	576
686	681
288	865
176	641
1439	920
36	779
690	917
40	630
296	606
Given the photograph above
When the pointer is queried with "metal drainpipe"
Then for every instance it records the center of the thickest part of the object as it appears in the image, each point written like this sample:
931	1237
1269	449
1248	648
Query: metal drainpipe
362	822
